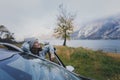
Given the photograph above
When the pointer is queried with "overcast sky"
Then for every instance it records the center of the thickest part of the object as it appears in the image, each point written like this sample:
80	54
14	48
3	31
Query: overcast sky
34	18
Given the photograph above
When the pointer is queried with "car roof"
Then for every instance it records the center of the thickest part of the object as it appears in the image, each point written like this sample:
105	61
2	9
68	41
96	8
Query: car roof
4	53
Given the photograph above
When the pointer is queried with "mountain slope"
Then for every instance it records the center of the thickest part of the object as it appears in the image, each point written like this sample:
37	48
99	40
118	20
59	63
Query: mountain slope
108	28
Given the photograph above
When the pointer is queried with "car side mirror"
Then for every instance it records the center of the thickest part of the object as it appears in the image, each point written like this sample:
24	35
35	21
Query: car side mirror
70	68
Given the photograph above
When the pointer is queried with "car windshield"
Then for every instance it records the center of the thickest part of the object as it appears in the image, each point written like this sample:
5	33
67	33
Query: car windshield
33	69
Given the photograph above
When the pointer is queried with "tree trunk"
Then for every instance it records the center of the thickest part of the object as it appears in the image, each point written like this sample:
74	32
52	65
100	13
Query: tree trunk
64	44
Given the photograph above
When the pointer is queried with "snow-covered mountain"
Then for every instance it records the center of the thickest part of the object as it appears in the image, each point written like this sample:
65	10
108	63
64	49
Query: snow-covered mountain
108	28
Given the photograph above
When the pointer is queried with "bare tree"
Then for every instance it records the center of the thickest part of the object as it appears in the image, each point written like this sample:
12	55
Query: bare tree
64	24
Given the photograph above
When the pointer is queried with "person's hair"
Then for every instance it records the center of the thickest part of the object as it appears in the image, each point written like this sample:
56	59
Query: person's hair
36	50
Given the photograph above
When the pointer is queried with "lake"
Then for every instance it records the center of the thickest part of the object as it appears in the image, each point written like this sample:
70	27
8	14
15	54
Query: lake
105	45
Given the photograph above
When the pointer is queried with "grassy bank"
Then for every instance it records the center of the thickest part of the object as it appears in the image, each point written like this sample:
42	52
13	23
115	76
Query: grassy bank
94	64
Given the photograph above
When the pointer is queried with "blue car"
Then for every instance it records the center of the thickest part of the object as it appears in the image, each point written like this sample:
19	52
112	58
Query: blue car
17	65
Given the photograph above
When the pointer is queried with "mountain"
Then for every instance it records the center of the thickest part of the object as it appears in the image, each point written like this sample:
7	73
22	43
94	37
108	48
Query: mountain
108	28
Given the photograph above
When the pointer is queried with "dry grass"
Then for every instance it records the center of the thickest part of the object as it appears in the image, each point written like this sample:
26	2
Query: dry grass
65	51
114	55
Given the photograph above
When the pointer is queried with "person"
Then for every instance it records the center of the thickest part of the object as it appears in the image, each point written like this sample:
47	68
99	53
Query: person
32	45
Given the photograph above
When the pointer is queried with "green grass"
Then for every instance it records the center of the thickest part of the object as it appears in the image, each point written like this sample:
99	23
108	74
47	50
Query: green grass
93	64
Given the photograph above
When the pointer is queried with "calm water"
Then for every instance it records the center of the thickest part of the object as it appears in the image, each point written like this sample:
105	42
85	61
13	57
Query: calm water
105	45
